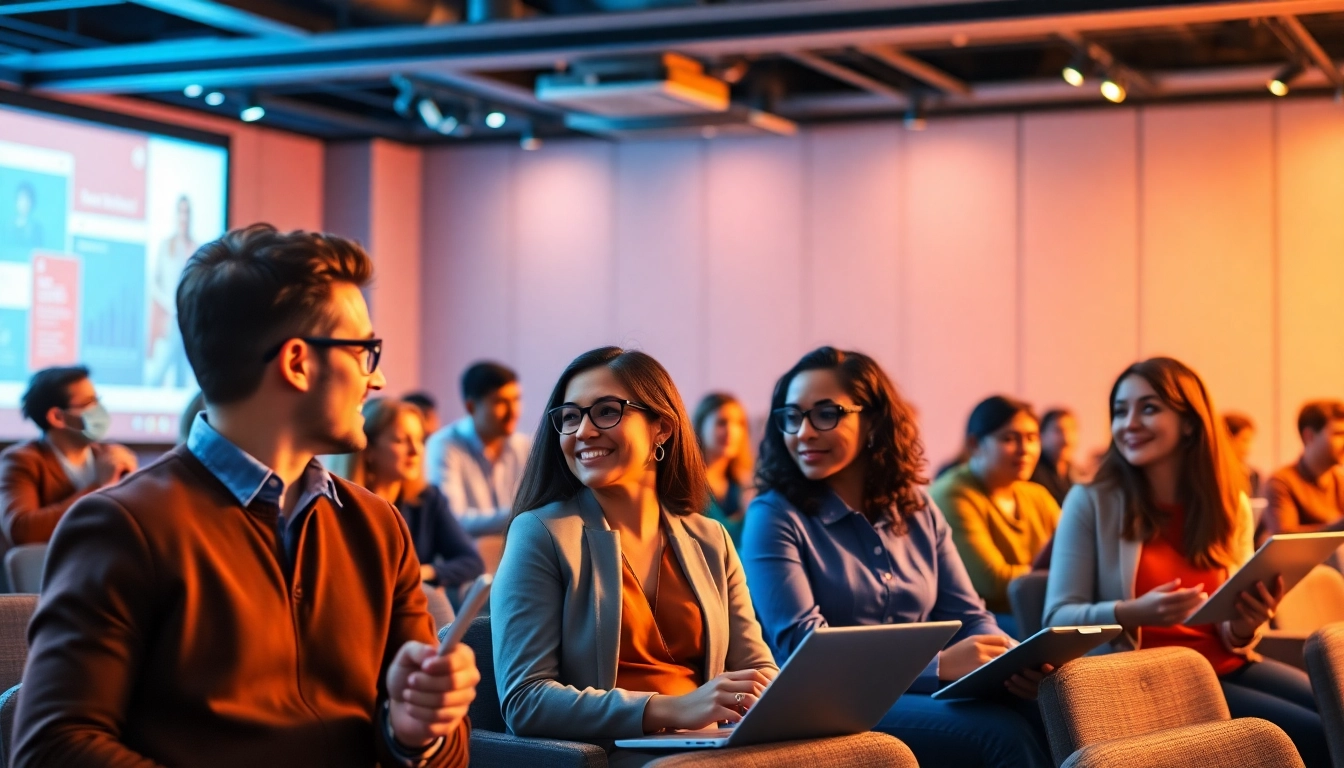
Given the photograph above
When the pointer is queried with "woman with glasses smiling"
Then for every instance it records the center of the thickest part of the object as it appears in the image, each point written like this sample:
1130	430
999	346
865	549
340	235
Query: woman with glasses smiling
842	535
618	610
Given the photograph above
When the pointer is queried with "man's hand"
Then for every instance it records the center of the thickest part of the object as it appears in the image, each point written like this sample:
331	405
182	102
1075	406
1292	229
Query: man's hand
112	462
428	696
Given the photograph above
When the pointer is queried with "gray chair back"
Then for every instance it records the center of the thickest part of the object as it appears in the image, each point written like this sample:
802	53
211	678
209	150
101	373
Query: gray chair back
485	713
23	567
1026	594
15	612
1325	664
439	607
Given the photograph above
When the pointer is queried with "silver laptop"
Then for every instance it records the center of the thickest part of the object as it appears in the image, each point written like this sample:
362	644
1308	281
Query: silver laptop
840	681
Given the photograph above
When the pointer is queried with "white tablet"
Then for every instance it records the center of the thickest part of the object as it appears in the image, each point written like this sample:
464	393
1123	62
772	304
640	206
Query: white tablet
1290	555
1053	645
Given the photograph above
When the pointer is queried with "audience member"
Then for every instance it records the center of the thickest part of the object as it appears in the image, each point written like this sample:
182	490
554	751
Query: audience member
842	535
1161	527
720	424
999	520
194	406
1059	444
478	460
234	604
392	466
1308	496
429	409
600	631
41	478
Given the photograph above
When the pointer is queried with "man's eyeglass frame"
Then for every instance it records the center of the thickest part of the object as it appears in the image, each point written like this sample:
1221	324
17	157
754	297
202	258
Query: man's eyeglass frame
374	348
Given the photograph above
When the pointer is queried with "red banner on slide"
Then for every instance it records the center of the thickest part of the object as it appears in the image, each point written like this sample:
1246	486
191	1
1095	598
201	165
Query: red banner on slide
109	164
54	319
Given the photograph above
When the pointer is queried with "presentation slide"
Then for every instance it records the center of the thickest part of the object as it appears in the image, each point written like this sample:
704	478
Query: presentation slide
96	223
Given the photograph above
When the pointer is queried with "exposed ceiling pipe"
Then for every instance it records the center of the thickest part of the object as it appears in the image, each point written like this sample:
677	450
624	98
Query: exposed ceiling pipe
1313	49
400	11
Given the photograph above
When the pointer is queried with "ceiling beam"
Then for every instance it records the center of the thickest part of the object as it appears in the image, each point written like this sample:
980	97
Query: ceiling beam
224	17
1293	26
47	6
846	75
920	70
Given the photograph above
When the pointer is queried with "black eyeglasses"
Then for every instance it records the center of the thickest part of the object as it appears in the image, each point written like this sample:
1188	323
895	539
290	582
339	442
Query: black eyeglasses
604	414
373	349
824	417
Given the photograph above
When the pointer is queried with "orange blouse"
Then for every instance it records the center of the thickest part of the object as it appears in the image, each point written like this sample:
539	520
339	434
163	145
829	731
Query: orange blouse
662	645
1161	560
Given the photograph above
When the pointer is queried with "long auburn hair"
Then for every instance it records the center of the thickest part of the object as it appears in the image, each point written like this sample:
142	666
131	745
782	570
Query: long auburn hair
380	415
1208	488
741	467
895	459
681	484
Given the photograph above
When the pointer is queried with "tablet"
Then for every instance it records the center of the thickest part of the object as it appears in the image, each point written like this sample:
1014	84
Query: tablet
1290	555
1052	645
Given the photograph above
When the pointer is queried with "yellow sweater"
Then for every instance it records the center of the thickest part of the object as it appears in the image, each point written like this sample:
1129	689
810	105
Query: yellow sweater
996	548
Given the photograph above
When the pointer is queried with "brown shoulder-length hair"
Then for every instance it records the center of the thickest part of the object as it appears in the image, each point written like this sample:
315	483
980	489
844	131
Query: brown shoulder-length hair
380	415
681	484
895	456
740	468
1209	487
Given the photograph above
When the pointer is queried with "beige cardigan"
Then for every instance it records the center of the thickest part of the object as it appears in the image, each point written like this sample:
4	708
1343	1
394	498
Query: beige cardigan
1093	566
556	619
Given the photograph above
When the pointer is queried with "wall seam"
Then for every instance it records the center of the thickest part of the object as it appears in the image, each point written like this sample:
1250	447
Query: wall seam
702	317
903	255
511	254
1019	211
1139	216
613	239
1275	282
805	265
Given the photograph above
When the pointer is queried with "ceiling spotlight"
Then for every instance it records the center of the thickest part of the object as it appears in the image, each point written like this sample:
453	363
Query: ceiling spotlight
529	140
1279	85
252	113
193	91
1073	71
495	120
430	113
916	119
405	95
1113	89
214	98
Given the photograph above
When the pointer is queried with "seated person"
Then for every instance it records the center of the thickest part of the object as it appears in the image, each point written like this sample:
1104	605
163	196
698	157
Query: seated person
41	478
429	410
1308	496
999	520
1059	443
1162	526
618	609
1242	431
720	424
392	467
842	535
233	604
478	460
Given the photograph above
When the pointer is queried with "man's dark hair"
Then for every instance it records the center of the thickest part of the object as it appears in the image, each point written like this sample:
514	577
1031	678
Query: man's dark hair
50	388
252	289
483	378
1316	414
422	400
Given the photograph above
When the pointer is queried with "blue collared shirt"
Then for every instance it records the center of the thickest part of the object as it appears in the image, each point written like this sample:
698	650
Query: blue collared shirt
249	480
837	569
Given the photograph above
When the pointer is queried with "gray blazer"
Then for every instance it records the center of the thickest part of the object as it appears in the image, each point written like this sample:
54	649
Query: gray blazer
556	619
1093	566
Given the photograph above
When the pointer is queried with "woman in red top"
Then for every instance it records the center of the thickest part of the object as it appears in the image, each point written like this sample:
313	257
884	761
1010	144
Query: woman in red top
1164	524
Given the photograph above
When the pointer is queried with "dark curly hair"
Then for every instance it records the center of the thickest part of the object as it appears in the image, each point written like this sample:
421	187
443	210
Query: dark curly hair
895	457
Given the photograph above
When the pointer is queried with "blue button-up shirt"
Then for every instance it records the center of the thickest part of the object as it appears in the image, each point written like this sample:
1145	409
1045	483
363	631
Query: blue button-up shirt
249	480
834	568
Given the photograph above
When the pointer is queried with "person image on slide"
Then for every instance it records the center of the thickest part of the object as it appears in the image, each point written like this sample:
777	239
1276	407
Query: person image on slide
168	361
25	231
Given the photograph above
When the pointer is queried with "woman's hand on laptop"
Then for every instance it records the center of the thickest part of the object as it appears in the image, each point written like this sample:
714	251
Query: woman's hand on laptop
725	698
1026	683
966	656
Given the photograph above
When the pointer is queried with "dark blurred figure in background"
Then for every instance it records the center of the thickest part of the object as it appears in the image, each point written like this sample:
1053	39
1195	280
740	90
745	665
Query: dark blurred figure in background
1059	447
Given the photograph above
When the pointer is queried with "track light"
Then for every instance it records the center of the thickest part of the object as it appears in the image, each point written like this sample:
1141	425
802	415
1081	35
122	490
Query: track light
495	120
434	117
916	119
529	140
405	95
193	91
214	98
1073	72
1279	85
252	113
1113	89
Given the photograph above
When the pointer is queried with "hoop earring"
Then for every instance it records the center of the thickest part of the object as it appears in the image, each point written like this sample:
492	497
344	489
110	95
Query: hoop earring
659	453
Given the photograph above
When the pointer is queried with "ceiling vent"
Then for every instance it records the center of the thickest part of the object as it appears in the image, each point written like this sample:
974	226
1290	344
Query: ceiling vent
670	84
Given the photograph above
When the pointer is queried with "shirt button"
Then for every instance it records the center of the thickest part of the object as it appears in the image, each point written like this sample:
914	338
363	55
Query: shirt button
877	550
888	620
886	576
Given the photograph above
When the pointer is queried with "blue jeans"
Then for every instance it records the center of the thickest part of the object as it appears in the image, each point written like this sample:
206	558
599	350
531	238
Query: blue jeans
1280	694
991	734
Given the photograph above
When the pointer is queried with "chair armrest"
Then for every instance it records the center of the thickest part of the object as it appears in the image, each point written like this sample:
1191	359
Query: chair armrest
502	750
1283	645
1244	741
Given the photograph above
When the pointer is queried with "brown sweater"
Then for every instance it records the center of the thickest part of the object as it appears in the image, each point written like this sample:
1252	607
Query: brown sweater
34	492
1300	503
167	631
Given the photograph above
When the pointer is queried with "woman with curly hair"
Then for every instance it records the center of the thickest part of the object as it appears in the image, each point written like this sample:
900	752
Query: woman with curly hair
842	535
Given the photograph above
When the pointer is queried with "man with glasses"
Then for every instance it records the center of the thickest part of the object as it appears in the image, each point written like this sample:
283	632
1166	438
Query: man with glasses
233	603
41	478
